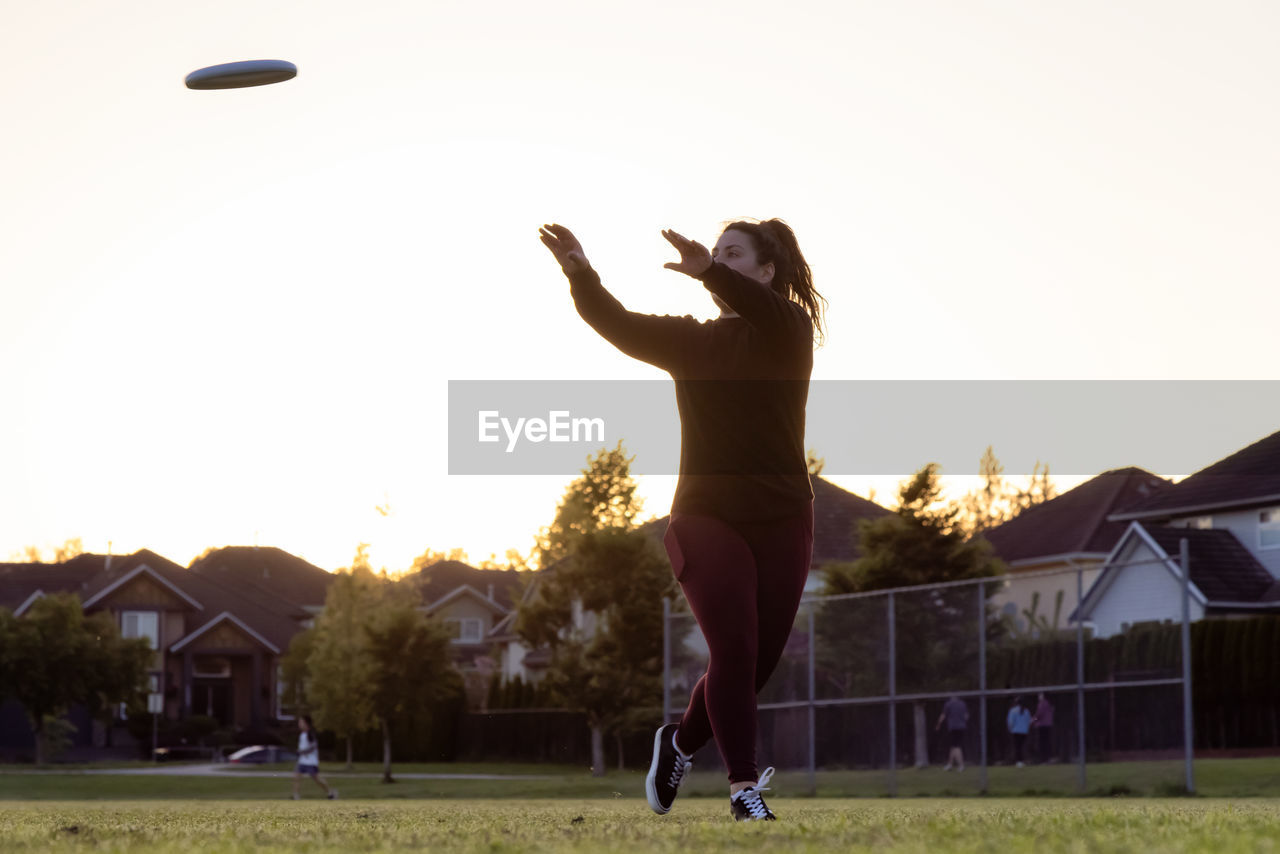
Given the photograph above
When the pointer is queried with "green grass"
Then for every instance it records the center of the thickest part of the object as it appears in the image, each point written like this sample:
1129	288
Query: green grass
1237	778
625	825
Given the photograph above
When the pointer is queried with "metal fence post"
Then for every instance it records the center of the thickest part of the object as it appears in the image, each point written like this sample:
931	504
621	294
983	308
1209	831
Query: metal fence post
666	660
1080	673
813	755
982	686
893	705
1188	733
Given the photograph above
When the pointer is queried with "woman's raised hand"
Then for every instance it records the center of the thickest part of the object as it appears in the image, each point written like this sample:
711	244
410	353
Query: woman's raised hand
695	259
565	247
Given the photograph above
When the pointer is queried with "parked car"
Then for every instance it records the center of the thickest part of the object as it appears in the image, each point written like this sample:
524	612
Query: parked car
260	754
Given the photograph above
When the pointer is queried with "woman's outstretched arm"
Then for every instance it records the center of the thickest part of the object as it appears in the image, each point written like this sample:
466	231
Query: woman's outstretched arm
765	309
657	340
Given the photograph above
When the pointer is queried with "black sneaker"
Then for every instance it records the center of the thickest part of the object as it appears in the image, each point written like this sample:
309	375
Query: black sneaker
668	768
747	805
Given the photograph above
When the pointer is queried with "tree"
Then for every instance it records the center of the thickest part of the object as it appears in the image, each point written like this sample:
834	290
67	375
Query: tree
54	657
603	497
607	646
598	603
920	543
338	666
70	548
431	556
370	658
409	667
295	670
997	501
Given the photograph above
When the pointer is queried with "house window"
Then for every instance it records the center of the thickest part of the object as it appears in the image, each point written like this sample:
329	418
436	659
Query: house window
1201	523
464	629
141	624
1269	528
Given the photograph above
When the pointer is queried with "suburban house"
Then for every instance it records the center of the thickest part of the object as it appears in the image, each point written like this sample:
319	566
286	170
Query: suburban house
217	644
220	627
836	513
470	602
1229	513
1072	531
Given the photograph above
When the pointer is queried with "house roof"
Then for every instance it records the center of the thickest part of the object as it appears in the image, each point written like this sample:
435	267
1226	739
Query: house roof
836	513
106	583
90	575
1221	567
18	581
1077	521
1222	570
469	592
1249	477
275	571
442	578
224	617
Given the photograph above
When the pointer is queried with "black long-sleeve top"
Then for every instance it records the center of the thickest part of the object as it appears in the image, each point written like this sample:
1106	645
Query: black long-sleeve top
741	387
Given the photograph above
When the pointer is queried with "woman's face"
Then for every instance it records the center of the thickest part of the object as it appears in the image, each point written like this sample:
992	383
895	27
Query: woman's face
303	725
735	251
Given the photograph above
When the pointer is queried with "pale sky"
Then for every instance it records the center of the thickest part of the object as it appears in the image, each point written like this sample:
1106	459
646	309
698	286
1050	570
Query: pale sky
230	317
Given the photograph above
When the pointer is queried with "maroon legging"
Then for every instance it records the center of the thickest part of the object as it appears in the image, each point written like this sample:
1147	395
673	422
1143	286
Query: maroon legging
743	583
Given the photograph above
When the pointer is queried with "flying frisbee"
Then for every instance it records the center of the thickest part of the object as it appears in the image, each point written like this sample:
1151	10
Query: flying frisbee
239	75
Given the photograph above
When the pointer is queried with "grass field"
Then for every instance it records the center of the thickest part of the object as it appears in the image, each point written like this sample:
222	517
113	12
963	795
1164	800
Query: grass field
1235	778
625	825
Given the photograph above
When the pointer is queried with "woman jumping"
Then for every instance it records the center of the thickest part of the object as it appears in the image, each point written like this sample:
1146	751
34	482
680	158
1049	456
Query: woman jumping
741	531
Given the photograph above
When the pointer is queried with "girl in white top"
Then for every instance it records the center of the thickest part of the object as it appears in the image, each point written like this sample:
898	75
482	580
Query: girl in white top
309	758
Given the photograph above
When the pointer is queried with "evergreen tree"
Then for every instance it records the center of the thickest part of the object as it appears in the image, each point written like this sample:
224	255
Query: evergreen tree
936	630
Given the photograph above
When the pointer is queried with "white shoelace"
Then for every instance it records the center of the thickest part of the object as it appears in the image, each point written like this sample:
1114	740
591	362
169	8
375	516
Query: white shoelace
681	767
751	797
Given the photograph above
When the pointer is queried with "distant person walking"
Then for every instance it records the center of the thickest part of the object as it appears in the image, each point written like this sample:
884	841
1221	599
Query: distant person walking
1043	723
955	714
309	759
1019	722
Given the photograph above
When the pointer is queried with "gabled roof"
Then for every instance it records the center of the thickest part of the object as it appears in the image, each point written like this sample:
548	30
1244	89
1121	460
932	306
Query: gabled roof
273	618
836	513
275	571
107	583
1075	523
466	591
19	581
442	578
1248	478
1223	571
224	617
1221	567
28	602
93	577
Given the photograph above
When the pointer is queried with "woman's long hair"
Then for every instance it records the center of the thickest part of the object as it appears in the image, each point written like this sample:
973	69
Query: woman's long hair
775	243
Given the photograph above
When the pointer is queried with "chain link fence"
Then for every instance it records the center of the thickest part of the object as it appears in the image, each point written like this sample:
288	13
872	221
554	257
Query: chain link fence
864	679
